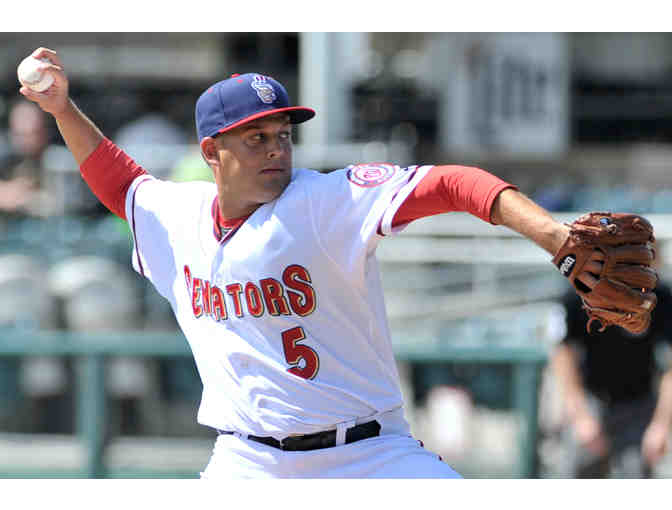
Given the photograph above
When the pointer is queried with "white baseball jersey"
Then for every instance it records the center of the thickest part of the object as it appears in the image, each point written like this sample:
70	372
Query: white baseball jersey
285	318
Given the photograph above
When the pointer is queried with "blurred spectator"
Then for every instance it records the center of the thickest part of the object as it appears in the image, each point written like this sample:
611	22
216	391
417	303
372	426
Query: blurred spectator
617	403
21	171
40	402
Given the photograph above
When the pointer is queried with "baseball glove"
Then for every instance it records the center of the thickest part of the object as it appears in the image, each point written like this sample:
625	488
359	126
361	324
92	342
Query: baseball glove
616	249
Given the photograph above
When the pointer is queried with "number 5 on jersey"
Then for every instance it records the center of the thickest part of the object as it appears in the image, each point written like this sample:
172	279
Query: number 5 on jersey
304	360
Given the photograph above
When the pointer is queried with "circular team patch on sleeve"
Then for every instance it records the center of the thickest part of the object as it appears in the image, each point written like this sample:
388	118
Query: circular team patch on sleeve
370	175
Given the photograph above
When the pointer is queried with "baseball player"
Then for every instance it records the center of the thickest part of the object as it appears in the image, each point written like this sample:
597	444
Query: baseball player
272	276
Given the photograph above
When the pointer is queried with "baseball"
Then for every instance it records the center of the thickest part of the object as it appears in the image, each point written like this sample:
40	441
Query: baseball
31	77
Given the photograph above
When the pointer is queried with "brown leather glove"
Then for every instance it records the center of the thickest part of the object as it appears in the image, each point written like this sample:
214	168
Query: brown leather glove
622	244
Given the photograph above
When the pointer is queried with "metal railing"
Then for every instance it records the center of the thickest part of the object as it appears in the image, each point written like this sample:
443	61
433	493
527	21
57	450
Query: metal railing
92	349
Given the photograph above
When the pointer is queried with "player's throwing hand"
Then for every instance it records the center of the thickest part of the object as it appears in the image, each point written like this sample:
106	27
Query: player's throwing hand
54	100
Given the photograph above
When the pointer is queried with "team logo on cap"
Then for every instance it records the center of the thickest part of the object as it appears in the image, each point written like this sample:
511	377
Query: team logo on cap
264	89
370	175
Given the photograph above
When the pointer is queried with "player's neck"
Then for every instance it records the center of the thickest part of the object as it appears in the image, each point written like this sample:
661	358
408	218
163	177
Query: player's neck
229	211
228	215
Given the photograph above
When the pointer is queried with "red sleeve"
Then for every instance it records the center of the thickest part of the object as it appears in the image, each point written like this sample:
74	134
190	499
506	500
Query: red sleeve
109	172
452	188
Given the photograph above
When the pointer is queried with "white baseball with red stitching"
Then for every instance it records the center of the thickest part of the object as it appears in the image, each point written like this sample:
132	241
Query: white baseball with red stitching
29	74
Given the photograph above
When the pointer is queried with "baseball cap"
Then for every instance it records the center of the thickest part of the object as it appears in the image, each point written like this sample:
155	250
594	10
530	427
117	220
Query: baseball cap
241	98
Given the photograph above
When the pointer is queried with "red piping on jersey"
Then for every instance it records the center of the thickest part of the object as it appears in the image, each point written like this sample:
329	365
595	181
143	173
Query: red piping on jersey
219	222
410	178
135	237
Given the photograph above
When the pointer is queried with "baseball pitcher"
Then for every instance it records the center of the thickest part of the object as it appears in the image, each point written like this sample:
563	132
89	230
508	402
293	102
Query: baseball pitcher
272	275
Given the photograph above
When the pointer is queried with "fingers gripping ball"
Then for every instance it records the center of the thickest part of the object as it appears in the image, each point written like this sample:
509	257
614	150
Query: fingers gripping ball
30	76
622	295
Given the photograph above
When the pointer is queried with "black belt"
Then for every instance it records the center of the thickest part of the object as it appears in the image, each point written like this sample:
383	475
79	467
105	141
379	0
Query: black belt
325	439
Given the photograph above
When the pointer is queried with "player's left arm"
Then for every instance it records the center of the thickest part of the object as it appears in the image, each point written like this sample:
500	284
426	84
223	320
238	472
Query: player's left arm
473	190
514	210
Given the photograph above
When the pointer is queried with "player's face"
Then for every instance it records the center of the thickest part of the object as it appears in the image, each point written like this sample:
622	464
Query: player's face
255	162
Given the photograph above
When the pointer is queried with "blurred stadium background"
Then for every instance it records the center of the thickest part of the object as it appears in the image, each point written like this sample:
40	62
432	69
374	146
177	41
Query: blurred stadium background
95	380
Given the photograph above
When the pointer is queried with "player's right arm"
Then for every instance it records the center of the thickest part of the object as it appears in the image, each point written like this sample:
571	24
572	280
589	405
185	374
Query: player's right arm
81	135
107	170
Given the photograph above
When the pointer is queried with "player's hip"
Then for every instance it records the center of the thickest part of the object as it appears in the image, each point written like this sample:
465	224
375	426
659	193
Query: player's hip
382	456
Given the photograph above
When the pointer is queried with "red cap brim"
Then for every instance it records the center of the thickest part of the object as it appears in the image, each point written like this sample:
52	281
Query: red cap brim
297	115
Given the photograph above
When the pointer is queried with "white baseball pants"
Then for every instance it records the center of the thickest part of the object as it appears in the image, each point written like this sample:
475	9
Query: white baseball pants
393	454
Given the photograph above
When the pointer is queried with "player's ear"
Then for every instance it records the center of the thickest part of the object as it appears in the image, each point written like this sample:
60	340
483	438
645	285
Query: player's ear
209	150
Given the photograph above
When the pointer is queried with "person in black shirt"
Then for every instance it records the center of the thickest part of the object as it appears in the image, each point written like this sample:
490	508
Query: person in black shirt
617	401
